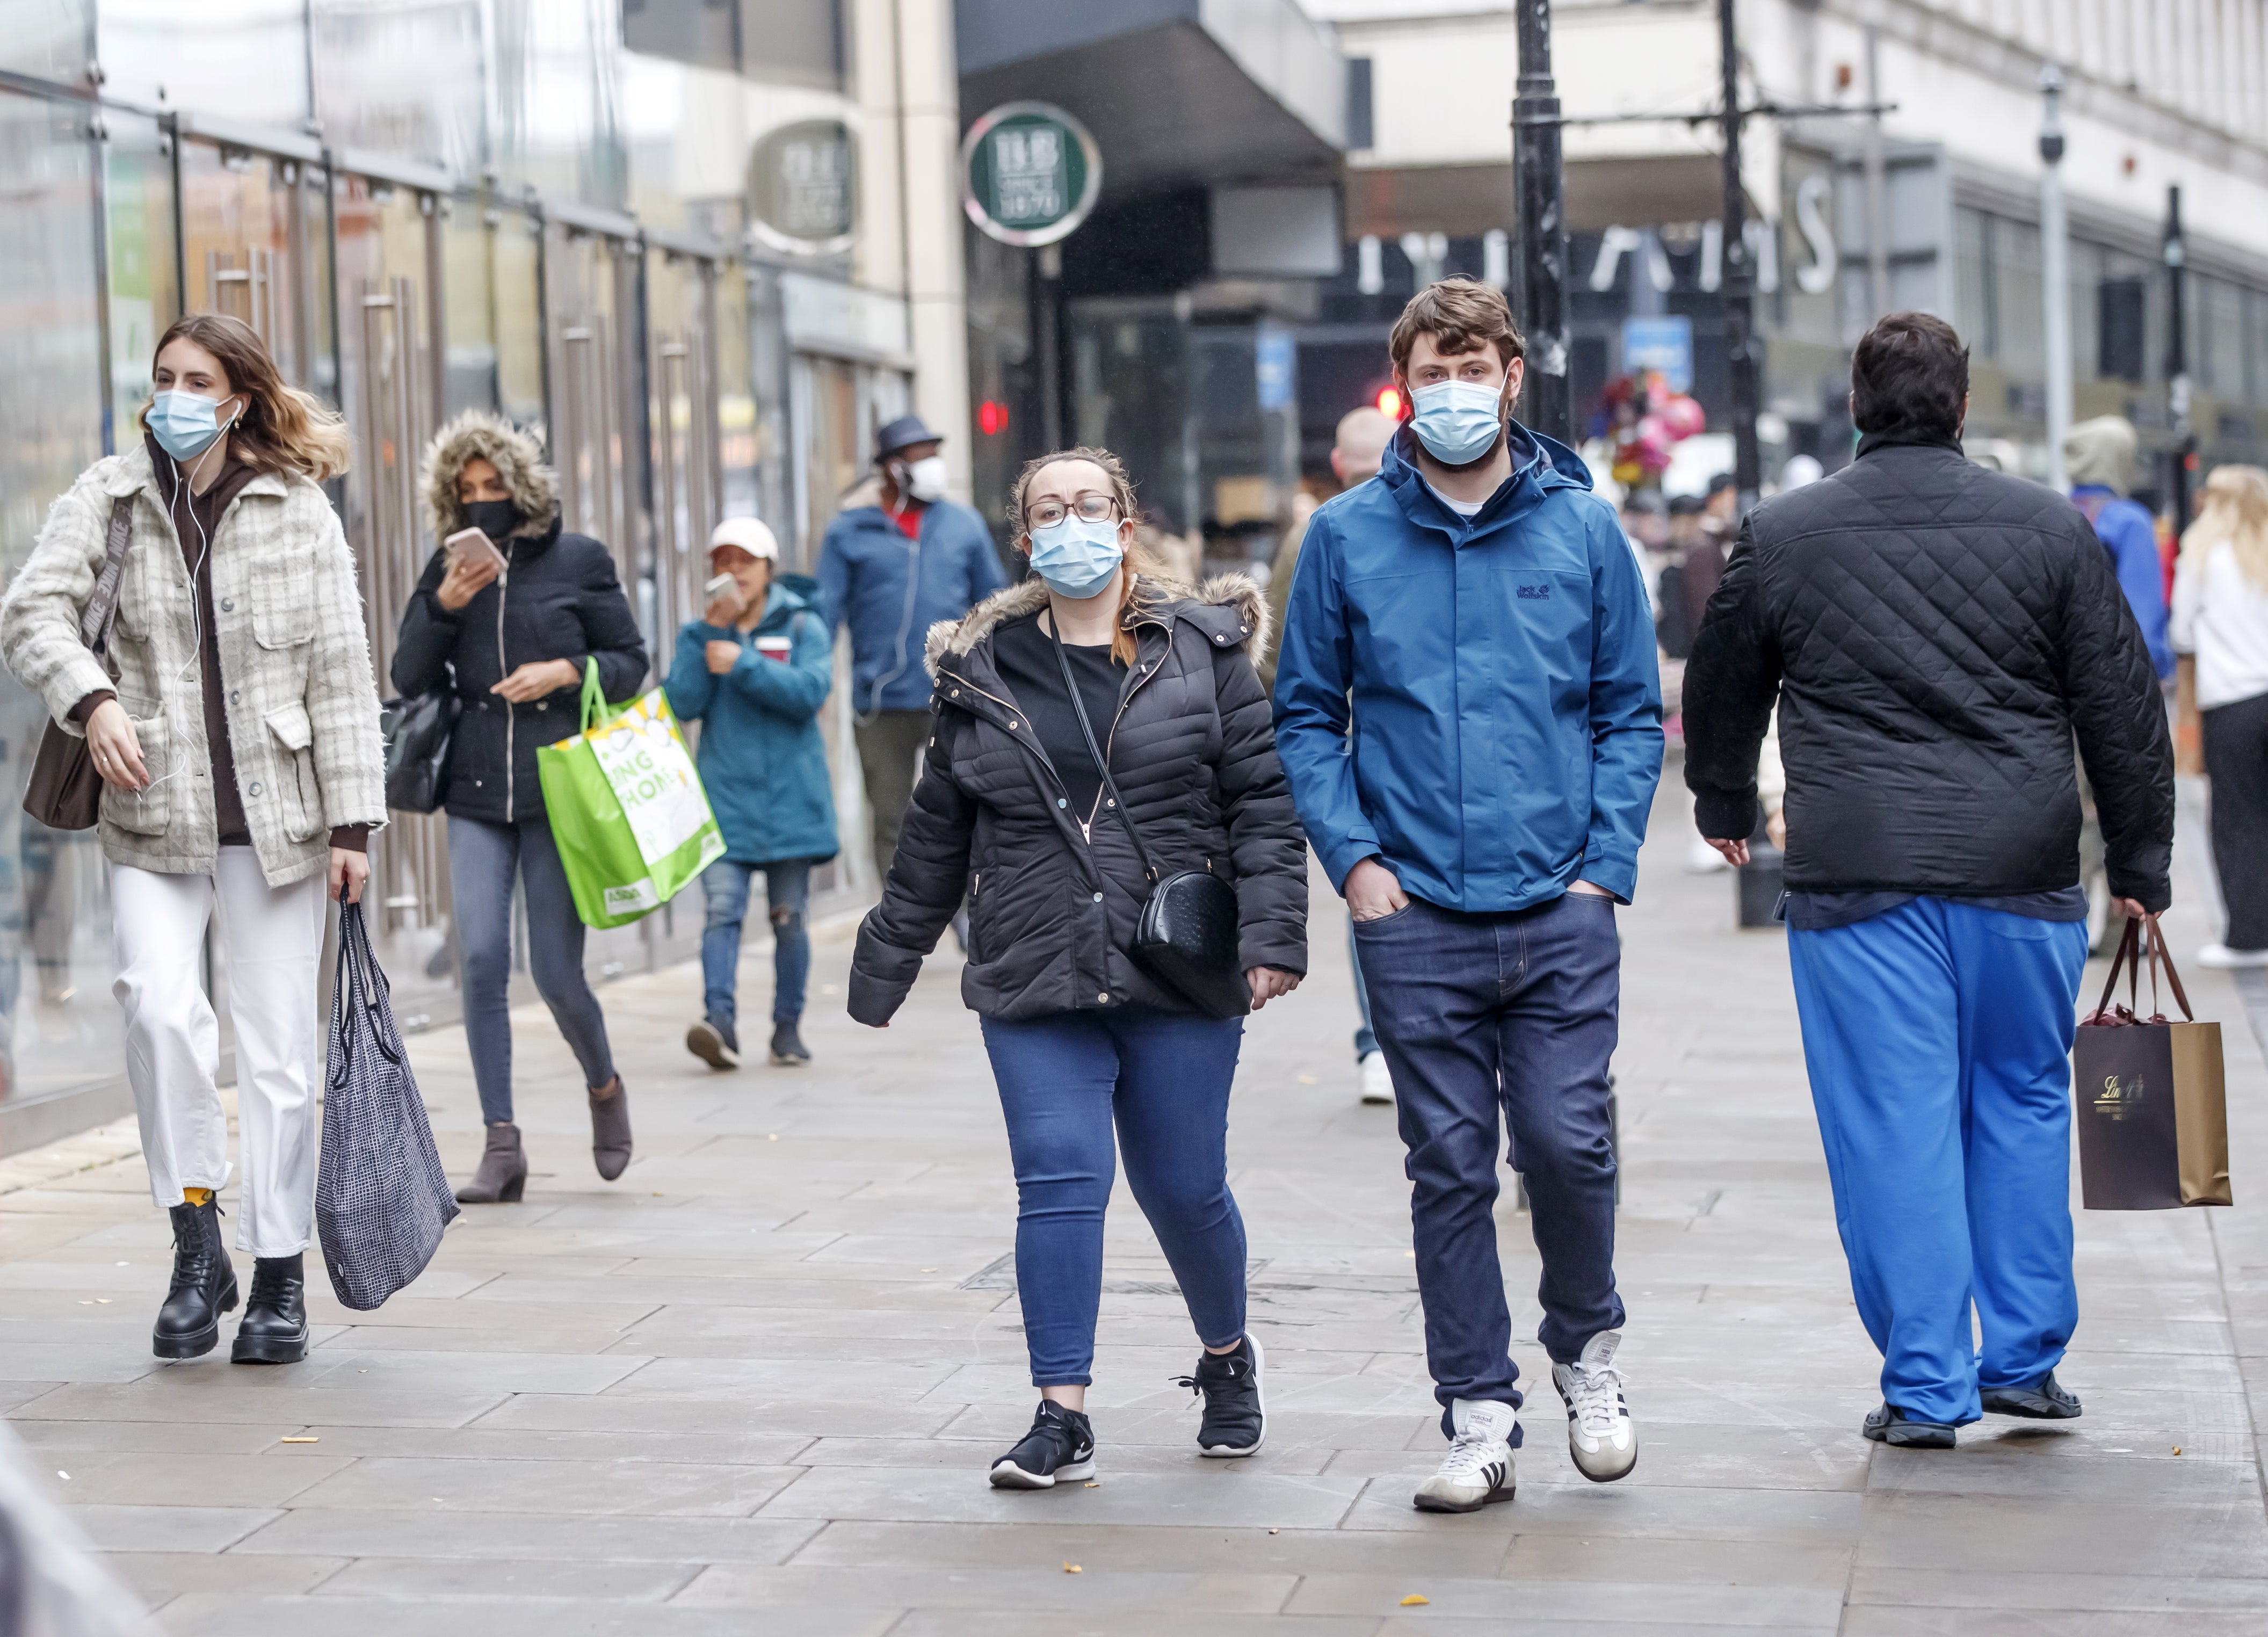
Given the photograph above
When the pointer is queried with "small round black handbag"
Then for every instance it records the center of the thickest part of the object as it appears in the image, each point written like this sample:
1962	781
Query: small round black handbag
1185	936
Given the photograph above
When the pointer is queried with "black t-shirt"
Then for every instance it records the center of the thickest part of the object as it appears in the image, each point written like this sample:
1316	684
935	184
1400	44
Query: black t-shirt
1027	658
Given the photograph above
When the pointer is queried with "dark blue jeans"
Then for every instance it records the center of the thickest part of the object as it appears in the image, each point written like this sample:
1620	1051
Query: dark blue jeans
1513	1012
483	857
1163	1077
787	890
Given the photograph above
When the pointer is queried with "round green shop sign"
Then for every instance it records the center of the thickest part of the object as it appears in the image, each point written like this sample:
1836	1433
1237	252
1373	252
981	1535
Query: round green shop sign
1029	173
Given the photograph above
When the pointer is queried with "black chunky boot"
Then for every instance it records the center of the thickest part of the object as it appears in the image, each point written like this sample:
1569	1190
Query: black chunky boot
273	1329
203	1288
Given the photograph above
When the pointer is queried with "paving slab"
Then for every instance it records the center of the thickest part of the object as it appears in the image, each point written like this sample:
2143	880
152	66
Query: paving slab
756	1384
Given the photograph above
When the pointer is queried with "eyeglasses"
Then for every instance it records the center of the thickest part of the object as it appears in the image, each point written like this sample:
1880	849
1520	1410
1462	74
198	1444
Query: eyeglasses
1091	508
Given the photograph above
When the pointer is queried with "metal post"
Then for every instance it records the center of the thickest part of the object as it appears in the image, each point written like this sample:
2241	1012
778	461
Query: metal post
2177	366
1878	192
1047	341
2055	252
1737	291
1543	229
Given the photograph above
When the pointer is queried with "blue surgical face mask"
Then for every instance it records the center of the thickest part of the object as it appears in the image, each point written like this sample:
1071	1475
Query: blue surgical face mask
185	423
1457	421
1076	558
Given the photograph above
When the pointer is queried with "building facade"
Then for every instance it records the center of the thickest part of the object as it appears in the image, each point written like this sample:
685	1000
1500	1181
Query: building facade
700	247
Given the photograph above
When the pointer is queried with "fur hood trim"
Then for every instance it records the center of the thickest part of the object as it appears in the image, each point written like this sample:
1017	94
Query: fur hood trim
1154	602
517	457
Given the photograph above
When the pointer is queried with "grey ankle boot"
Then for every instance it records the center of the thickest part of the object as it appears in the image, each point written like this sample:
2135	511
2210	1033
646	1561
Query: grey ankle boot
502	1175
610	1130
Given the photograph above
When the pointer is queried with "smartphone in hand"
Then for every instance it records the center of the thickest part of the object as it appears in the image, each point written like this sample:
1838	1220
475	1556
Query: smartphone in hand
471	545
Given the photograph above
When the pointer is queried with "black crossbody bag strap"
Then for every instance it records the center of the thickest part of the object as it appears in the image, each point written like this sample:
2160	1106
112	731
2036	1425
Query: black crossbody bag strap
1109	785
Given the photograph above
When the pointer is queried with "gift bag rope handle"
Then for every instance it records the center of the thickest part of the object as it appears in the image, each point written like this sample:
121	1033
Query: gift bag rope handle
2129	958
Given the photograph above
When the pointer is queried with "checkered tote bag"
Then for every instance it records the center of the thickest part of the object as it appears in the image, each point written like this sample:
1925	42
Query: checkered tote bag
381	1199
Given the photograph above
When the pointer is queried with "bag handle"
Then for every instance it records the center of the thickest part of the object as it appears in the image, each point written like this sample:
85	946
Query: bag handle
2160	952
2127	953
594	698
102	607
2140	935
359	987
1102	764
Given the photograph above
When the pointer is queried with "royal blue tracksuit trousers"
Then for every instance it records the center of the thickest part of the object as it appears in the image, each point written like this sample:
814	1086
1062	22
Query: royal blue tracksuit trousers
1938	1035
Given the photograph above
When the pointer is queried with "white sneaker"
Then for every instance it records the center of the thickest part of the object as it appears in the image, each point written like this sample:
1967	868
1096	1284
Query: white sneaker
1601	1434
1377	1079
1477	1470
2219	956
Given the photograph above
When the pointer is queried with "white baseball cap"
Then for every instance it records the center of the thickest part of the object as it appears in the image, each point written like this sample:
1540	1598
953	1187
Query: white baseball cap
749	534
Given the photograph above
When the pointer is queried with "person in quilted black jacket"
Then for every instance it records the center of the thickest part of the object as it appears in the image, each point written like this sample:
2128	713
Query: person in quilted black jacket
1937	637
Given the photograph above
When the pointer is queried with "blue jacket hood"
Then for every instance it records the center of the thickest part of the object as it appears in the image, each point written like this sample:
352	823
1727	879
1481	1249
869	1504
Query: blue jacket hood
1540	466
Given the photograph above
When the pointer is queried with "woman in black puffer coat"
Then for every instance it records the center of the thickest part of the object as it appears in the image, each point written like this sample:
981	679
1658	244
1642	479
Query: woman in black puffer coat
1011	812
513	645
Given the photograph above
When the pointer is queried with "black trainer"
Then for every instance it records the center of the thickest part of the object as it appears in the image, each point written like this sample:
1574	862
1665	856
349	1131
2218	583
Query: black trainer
273	1329
788	1050
714	1044
1235	1410
204	1287
1890	1425
1060	1446
2044	1400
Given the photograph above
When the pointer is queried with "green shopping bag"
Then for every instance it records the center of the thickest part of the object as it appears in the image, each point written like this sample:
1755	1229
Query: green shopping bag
627	809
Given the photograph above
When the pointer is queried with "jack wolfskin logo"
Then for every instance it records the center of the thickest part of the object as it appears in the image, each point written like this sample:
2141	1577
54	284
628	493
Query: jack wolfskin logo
2117	1094
1534	593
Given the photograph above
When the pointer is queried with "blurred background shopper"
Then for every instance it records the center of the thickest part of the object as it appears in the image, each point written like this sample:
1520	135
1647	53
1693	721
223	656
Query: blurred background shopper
239	750
889	571
2098	456
513	641
753	671
1012	810
1936	922
2220	630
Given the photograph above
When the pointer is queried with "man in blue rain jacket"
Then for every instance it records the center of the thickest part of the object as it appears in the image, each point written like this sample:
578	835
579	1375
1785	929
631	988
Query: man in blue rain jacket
753	671
1468	707
891	570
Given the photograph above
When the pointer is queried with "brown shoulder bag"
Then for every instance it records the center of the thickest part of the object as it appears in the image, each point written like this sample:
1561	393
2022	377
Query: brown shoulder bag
65	792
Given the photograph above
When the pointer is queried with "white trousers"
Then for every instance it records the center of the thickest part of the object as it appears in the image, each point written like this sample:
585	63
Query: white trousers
272	939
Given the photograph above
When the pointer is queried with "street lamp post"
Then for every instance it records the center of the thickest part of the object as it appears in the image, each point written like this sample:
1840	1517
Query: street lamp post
2177	365
2055	250
1543	228
1737	287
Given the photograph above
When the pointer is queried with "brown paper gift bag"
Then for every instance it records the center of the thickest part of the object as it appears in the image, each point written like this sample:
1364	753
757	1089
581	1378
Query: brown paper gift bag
2152	1108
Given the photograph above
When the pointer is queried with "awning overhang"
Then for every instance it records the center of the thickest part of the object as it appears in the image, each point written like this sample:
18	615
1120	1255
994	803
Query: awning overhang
1466	201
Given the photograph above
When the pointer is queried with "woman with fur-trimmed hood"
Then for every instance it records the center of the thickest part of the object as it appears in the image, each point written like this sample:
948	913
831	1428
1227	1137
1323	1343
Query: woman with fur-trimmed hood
511	633
1013	811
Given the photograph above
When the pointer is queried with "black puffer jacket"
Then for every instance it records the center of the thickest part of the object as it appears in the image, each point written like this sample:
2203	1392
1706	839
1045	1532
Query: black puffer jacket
1194	755
562	600
1936	634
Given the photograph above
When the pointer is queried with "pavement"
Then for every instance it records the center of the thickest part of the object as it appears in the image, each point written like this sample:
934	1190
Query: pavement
754	1385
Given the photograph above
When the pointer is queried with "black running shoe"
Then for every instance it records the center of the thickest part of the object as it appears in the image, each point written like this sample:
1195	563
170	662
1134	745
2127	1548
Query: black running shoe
1235	1412
1060	1446
788	1050
2044	1400
1890	1425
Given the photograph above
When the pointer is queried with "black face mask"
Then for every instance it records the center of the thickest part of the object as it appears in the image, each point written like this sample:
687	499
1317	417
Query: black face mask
496	518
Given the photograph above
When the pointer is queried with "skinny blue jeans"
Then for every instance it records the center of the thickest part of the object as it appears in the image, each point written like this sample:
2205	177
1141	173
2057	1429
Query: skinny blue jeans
1163	1078
483	857
787	889
1939	1035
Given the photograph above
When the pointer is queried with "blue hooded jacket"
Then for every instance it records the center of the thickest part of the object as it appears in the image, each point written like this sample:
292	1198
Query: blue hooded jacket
763	757
2128	535
1495	676
890	590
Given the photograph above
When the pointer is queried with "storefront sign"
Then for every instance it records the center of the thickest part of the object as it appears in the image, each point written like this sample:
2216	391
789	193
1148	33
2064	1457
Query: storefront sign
803	189
1664	343
1029	173
846	321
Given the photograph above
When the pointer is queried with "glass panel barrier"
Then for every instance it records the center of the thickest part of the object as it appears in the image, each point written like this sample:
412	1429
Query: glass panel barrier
58	1026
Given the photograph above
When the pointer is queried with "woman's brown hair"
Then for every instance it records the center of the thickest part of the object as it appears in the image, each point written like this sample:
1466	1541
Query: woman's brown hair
281	428
1122	646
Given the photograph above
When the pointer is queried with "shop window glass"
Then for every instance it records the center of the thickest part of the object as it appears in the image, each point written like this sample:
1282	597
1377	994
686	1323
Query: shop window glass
248	225
403	80
2020	336
1972	281
58	1026
144	295
241	60
48	39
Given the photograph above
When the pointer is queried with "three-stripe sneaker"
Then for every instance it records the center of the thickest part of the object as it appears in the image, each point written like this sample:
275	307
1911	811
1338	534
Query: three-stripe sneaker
1601	1434
1477	1470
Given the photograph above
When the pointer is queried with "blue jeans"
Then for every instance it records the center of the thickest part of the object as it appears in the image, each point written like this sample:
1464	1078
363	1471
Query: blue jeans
1938	1035
1164	1078
482	860
1512	1013
787	890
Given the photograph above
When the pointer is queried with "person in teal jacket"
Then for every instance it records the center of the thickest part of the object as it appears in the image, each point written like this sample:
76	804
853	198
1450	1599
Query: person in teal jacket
754	671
